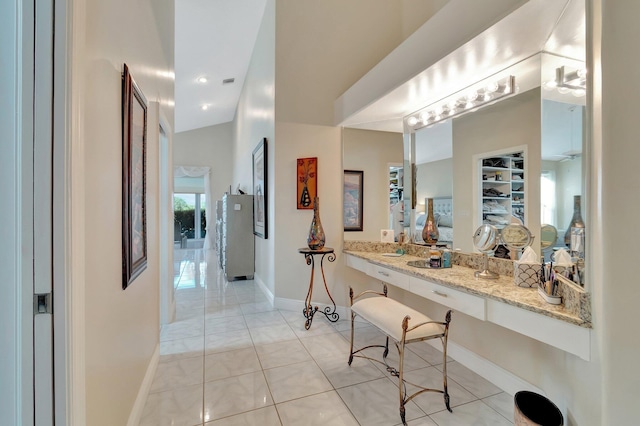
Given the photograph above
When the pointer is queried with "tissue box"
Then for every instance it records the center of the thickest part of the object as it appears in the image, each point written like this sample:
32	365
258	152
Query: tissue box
526	274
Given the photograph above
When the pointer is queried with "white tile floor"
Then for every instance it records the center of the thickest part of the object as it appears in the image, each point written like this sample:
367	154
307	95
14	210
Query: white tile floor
231	359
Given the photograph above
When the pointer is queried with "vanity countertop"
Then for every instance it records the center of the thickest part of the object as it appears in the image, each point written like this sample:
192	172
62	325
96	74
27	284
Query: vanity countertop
462	278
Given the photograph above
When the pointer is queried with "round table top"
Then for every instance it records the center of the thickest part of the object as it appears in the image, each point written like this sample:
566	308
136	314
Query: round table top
307	250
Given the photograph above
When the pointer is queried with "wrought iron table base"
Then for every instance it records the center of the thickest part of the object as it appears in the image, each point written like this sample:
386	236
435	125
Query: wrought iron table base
309	310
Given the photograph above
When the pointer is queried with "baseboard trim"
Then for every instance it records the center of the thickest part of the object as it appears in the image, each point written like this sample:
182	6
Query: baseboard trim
505	380
264	288
138	407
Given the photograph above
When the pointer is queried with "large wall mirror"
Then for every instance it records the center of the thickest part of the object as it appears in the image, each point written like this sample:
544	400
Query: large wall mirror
543	119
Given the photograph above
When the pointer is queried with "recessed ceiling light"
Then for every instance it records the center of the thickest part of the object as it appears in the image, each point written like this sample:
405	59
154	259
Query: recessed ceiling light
204	107
202	80
228	80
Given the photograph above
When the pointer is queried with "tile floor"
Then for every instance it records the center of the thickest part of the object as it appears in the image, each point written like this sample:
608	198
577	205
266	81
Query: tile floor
230	358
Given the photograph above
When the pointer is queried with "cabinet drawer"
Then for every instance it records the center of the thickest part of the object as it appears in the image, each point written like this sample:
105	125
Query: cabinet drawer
389	276
358	263
456	300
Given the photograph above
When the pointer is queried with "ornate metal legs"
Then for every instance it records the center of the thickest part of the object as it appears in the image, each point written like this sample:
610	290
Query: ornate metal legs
309	311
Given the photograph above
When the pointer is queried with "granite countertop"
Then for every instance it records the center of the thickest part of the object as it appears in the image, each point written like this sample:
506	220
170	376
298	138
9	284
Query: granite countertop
462	278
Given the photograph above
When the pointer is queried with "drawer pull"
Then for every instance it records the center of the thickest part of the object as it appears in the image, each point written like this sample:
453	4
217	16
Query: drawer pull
385	274
439	293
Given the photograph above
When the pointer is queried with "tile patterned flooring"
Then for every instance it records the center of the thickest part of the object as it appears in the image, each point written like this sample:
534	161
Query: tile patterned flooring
230	358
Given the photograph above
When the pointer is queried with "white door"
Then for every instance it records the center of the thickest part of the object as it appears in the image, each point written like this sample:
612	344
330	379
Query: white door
26	373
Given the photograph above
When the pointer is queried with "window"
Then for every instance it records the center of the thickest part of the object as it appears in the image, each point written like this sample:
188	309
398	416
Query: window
548	197
185	207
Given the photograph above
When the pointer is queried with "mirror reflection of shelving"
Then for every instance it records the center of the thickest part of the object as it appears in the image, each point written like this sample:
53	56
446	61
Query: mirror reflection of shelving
396	184
503	190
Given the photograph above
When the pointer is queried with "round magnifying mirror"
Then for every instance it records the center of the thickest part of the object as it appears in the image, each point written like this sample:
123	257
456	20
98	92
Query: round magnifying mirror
548	236
485	239
516	237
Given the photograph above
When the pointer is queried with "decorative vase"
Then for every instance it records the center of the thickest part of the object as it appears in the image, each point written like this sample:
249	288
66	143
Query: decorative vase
430	233
316	238
576	220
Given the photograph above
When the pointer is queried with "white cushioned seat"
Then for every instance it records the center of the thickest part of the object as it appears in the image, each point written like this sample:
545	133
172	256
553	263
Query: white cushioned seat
387	315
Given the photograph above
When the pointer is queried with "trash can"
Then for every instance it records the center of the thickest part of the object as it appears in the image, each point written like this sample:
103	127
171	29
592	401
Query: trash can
533	409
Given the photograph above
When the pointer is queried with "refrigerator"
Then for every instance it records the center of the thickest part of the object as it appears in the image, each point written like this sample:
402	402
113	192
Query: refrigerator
237	236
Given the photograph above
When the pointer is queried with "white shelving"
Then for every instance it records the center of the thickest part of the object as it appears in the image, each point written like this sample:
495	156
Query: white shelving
396	184
502	189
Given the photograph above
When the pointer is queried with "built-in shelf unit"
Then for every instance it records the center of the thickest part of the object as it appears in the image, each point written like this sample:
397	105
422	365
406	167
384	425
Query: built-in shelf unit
502	190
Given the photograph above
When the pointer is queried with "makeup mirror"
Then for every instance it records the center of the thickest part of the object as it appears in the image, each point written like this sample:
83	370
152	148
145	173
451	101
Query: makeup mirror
548	236
516	238
485	240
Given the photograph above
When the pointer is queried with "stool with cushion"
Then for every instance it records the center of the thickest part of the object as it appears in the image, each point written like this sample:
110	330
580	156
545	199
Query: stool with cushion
403	325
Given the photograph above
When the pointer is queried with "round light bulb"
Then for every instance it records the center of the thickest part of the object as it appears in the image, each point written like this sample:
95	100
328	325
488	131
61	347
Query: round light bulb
424	117
550	85
205	107
202	80
578	93
472	96
563	90
492	87
468	105
412	121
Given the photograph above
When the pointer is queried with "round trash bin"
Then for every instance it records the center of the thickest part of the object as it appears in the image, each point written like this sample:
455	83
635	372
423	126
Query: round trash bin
533	409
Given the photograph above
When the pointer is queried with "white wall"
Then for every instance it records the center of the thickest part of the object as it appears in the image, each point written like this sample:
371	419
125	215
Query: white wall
208	147
322	48
122	327
434	179
254	121
372	152
619	291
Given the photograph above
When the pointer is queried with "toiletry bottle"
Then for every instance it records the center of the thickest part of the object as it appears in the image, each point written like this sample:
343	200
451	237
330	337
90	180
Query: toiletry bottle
446	258
434	257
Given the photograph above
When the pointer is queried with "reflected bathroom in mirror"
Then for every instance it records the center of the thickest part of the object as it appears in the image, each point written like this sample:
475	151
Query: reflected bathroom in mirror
541	118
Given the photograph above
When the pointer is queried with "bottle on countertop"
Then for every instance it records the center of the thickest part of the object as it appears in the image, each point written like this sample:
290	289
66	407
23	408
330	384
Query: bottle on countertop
446	258
435	260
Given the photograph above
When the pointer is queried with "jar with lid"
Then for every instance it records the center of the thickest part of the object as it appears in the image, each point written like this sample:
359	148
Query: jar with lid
435	260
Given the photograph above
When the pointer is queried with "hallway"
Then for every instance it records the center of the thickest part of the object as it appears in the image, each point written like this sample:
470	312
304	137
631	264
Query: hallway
230	358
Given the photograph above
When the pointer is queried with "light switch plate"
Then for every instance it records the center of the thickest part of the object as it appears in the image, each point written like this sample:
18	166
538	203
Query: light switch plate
237	206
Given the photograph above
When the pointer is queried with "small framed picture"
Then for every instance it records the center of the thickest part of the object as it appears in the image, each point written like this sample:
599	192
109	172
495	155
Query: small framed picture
307	182
352	196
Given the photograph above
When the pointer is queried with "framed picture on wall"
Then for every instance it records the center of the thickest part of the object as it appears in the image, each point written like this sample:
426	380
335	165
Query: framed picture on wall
352	196
260	190
134	180
307	182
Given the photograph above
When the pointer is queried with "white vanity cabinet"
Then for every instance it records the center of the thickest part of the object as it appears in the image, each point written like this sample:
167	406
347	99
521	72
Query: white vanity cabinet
559	333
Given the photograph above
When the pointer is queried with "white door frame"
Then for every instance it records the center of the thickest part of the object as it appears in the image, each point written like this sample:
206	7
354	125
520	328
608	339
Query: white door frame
69	220
165	154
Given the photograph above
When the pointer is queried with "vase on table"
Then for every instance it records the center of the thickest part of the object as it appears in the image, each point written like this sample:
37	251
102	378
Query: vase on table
576	220
430	233
316	237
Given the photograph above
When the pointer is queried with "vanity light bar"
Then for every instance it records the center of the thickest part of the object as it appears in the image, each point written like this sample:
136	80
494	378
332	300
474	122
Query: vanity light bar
460	103
565	82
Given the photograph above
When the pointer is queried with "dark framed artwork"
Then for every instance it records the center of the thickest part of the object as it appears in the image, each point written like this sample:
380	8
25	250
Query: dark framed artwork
260	188
134	182
307	182
352	196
